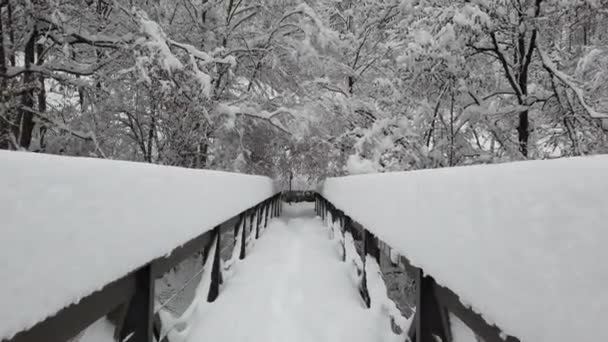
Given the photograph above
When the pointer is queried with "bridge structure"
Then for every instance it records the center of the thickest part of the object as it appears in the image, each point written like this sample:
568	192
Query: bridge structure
490	253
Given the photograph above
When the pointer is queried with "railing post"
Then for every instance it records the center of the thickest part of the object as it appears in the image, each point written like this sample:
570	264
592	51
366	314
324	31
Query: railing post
260	214
278	204
266	212
243	236
370	250
251	214
347	224
334	214
139	320
431	321
216	276
258	220
236	227
346	228
323	210
371	245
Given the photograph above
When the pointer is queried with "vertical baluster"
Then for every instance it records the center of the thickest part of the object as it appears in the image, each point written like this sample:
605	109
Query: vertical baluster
431	321
237	226
267	211
139	320
243	236
258	220
347	227
276	206
370	250
323	210
216	275
251	214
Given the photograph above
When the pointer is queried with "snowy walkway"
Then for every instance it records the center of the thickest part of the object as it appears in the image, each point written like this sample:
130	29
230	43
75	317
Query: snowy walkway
291	287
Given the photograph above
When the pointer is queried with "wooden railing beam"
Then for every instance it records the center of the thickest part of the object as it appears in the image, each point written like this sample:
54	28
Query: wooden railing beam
71	320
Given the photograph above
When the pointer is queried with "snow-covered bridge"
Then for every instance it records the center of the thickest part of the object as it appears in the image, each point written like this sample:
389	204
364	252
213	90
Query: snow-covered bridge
513	251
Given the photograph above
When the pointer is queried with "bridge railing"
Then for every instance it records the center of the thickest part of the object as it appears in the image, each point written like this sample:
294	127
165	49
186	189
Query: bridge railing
130	299
84	239
433	302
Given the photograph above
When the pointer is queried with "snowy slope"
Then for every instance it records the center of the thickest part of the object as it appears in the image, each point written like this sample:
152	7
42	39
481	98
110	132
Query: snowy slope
524	243
73	225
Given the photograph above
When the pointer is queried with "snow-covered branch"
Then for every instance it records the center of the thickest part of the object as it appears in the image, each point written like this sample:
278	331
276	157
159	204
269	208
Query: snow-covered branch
570	83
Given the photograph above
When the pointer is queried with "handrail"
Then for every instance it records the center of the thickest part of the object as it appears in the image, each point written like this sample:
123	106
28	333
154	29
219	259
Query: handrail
129	301
433	301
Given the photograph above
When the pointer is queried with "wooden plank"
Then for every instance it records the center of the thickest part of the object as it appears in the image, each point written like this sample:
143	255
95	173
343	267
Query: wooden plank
71	320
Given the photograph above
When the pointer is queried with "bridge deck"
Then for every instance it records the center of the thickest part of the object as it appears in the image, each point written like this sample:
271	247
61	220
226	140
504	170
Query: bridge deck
291	287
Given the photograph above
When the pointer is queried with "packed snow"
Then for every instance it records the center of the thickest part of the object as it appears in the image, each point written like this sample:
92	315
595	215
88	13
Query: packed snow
523	243
293	286
76	224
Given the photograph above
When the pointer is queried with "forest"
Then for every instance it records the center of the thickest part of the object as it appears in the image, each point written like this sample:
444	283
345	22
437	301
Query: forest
304	89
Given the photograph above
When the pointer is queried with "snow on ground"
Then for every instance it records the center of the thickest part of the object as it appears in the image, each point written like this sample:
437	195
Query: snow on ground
76	224
293	287
523	243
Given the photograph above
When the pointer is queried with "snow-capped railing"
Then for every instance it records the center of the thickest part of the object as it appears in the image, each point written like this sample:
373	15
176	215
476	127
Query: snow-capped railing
433	302
136	221
519	246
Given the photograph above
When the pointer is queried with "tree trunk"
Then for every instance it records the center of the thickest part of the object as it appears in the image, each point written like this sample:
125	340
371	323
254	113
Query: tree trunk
4	126
523	132
26	117
351	83
41	93
11	34
451	156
